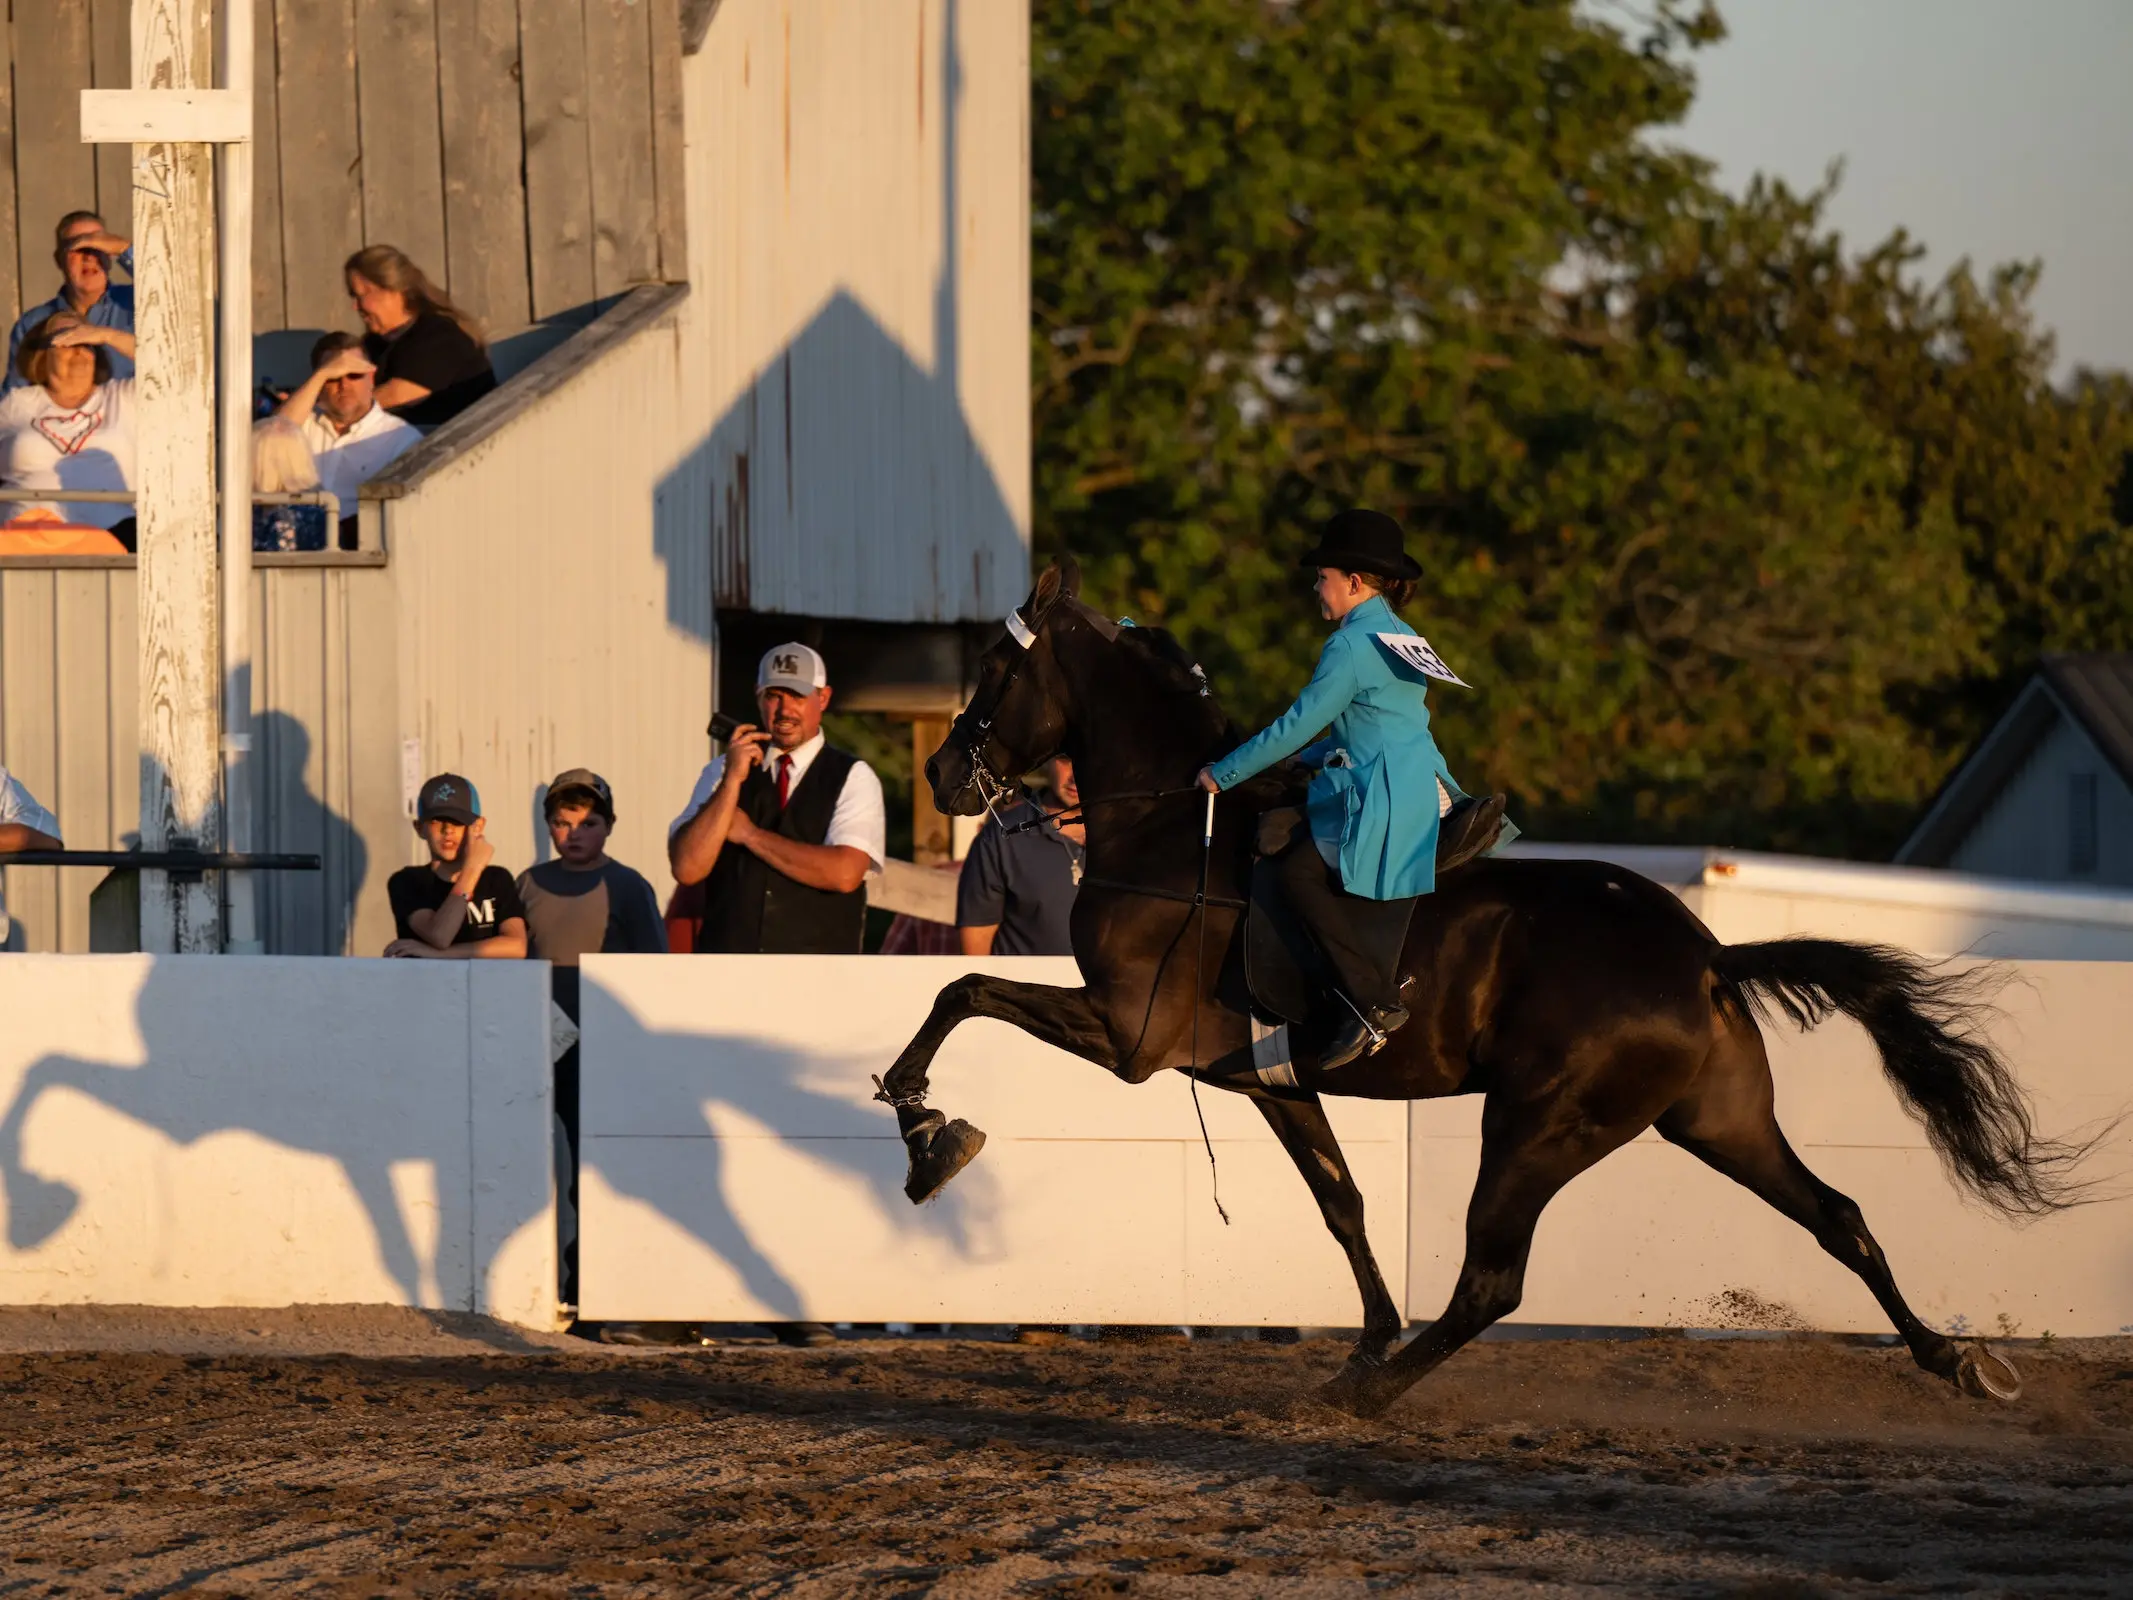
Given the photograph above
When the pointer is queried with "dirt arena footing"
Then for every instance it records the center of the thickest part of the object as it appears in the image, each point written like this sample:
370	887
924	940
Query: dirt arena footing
359	1451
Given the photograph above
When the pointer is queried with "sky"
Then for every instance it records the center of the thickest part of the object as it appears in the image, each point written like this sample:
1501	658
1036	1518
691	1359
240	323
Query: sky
2000	130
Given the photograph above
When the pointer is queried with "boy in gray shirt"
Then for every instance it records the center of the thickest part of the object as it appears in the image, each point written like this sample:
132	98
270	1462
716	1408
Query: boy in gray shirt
582	903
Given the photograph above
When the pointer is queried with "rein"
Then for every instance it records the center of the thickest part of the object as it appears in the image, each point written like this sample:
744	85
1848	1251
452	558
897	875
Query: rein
992	788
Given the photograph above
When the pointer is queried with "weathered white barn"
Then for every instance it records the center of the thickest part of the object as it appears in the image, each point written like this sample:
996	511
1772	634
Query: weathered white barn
770	263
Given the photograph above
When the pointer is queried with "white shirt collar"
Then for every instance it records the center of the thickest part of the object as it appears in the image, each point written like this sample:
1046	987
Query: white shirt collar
802	758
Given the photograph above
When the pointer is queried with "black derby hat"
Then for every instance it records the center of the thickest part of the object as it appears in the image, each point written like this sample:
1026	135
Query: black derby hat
1364	541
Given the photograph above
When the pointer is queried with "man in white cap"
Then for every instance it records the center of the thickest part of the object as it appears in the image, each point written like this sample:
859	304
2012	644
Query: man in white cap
783	828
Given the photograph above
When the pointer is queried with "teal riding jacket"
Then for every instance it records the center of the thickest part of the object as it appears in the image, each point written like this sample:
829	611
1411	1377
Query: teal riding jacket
1373	799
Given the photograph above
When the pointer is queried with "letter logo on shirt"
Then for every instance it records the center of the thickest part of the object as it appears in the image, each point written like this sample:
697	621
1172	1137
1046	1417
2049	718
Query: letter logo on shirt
482	913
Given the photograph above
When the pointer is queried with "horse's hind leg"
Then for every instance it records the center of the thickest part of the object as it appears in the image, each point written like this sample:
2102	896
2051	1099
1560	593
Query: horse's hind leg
1728	1122
1528	1152
938	1147
1301	1126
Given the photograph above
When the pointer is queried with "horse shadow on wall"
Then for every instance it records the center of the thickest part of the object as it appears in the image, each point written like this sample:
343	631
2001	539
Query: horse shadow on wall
206	1073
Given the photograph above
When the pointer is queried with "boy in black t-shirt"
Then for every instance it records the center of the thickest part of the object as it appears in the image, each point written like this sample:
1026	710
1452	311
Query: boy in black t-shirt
459	907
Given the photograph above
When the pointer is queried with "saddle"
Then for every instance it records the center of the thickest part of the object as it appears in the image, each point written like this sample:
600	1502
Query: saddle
1283	970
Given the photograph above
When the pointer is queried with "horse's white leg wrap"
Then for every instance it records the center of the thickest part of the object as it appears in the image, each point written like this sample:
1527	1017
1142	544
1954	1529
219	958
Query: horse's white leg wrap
1272	1059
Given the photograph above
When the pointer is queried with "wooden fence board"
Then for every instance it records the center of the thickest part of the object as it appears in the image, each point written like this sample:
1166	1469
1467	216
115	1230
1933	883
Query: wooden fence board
111	66
484	160
10	257
321	209
269	297
618	84
52	67
29	742
559	197
670	184
403	150
81	618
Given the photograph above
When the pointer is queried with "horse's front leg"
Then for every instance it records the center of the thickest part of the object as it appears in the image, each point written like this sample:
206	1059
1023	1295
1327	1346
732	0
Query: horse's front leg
939	1147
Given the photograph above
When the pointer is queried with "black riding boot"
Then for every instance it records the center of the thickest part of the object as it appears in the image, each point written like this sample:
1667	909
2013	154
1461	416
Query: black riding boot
1361	940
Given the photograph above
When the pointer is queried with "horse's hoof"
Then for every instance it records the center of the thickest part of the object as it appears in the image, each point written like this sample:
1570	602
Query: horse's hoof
1988	1375
1353	1390
946	1151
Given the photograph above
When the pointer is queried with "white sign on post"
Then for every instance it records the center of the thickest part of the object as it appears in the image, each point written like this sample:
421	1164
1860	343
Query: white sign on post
173	121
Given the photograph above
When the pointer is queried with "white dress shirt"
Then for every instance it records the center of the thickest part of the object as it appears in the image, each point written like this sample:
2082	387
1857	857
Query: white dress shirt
861	819
348	460
17	804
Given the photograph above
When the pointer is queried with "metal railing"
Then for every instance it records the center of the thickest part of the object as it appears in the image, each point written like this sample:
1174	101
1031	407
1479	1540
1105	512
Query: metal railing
126	497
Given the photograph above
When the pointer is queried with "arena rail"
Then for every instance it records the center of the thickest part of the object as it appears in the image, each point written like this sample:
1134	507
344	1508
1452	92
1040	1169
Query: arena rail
266	1131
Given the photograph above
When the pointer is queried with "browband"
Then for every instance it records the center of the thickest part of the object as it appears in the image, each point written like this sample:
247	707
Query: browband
1025	636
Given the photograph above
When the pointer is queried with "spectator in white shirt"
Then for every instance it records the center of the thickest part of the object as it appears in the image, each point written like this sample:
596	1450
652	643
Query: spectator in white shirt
783	828
70	426
352	437
24	825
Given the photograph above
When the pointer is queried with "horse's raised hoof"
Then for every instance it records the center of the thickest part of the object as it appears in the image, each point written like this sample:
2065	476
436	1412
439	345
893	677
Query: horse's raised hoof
1988	1375
938	1152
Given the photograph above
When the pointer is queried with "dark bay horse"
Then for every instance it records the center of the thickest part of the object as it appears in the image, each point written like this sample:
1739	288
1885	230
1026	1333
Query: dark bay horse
1583	1002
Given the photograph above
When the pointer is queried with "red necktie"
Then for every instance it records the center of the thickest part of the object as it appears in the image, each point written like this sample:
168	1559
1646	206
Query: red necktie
784	780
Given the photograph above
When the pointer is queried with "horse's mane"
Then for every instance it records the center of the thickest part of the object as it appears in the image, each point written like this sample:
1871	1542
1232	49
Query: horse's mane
1174	671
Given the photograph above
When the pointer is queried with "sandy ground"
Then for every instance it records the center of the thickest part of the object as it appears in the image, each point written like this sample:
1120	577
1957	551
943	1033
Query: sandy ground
367	1452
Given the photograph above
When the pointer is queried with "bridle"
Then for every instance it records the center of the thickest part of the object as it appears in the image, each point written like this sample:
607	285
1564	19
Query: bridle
993	788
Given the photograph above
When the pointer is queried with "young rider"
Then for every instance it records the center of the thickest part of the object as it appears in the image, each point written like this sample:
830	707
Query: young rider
1380	787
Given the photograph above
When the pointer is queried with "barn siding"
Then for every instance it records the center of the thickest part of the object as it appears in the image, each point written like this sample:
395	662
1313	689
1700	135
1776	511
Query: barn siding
377	122
858	212
325	772
2024	832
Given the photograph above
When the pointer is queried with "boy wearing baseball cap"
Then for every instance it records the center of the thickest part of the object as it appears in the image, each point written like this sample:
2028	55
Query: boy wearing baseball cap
583	902
461	906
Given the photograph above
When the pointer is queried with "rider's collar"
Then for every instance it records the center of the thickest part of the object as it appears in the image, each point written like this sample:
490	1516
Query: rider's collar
1375	606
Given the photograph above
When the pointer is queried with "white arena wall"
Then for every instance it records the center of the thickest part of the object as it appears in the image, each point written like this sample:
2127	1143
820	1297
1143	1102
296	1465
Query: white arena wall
1652	1237
736	1167
230	1131
225	1131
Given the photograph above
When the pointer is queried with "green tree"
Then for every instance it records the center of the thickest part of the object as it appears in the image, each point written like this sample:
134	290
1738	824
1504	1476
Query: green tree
1737	537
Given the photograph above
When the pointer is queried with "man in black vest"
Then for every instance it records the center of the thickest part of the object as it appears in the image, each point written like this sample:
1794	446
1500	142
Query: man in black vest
782	829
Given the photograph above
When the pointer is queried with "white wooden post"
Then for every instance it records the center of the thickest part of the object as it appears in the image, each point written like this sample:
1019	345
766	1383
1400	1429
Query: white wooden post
233	208
173	120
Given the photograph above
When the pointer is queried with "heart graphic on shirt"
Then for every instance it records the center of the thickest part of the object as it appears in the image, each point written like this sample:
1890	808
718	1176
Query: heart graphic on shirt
70	430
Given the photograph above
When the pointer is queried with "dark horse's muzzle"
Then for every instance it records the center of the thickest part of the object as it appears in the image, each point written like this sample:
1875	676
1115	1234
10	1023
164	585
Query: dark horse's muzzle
953	778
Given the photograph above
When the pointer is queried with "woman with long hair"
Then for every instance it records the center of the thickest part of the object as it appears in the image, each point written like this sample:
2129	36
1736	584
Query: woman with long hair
432	362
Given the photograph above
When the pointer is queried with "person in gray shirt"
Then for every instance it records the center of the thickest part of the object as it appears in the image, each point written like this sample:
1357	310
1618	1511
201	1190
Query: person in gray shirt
1017	890
582	903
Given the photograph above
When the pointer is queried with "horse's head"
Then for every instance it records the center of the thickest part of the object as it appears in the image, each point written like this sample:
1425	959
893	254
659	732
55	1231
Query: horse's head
1018	715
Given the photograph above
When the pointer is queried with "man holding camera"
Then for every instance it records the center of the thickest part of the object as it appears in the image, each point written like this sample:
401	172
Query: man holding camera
783	828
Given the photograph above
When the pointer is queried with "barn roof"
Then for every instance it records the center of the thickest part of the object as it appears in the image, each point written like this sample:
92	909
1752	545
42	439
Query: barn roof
2094	690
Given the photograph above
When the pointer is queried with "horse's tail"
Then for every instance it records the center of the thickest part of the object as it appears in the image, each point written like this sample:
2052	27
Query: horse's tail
1929	1028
